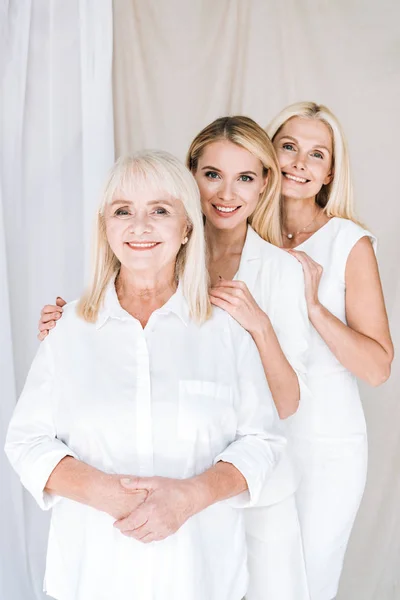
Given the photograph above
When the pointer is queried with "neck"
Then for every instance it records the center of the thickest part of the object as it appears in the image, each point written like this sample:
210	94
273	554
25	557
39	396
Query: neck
153	289
298	213
221	242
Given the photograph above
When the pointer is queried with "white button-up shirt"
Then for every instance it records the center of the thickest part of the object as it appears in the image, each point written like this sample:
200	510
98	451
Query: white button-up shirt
276	281
170	400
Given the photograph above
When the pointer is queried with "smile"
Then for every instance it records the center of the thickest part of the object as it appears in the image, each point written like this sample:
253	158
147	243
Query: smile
225	210
142	245
294	178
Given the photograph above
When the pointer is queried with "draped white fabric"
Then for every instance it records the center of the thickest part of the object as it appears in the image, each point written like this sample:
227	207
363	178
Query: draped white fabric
177	66
57	143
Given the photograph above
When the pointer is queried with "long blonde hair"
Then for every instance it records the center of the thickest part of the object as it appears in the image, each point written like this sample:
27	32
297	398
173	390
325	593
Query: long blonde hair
161	171
336	198
244	132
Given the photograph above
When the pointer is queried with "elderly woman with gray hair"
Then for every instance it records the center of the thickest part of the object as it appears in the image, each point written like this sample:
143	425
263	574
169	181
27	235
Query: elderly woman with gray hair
146	420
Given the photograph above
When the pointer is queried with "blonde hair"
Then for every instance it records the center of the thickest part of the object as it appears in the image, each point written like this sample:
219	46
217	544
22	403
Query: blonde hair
336	198
161	171
246	133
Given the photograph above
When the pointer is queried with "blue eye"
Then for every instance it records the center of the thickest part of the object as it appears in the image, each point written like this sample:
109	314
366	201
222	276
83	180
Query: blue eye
246	178
212	174
160	211
288	147
318	154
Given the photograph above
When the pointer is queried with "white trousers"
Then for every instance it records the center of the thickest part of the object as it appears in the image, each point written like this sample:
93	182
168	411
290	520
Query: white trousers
328	498
275	553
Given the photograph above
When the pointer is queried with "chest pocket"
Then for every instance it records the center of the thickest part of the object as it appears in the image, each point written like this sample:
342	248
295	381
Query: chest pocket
206	411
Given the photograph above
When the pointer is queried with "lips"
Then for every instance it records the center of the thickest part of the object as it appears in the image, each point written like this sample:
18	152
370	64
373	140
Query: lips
142	245
225	211
295	178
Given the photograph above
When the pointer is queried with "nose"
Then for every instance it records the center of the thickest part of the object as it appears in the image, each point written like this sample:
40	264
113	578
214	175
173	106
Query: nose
226	191
140	224
300	161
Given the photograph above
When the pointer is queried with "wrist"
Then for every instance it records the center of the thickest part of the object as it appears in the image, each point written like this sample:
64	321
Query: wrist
102	492
262	328
199	494
315	310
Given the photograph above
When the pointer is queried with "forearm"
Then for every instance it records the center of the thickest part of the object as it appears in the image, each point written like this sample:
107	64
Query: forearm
220	482
361	355
281	377
83	483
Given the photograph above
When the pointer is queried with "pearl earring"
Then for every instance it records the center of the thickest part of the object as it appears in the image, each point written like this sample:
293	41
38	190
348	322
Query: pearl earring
185	241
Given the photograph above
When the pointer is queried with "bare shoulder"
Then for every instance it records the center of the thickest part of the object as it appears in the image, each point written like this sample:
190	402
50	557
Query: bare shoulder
362	259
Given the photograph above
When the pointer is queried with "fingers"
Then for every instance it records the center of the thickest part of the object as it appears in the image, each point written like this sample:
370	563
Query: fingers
137	518
225	295
48	317
227	306
305	260
46	326
45	320
137	483
140	532
60	302
50	309
239	285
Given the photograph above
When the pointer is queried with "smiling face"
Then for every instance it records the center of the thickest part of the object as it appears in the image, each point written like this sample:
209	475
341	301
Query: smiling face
305	152
230	181
145	230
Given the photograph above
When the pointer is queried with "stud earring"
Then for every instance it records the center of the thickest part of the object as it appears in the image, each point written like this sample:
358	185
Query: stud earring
185	241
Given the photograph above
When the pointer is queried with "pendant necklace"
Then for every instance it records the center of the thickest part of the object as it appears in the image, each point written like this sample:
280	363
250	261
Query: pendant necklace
290	236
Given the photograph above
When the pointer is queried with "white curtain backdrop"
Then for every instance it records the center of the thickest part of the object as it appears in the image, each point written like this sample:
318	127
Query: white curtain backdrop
56	146
177	66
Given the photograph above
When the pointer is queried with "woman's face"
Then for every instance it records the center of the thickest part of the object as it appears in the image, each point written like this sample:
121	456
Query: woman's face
304	149
145	230
230	180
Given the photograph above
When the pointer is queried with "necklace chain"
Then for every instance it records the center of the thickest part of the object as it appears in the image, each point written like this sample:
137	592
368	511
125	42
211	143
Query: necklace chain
292	235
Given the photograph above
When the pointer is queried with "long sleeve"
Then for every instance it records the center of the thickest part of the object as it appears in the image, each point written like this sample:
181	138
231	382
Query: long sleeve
260	441
290	320
32	446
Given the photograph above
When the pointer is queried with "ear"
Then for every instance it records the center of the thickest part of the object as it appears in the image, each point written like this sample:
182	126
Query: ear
265	179
329	177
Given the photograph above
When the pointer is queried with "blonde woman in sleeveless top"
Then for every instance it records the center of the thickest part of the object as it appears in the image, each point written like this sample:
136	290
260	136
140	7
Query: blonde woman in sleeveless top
349	335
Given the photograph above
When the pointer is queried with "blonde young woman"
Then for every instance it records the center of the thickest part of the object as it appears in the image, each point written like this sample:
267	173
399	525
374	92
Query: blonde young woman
146	416
349	336
262	287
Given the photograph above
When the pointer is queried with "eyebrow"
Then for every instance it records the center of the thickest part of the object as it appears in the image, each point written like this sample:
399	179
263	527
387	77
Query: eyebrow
151	203
289	137
210	168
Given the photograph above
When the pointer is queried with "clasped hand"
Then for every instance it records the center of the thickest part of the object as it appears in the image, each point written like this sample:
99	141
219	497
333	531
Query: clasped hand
164	507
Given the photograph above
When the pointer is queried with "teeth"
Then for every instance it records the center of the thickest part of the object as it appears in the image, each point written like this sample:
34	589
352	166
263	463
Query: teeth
226	209
142	244
293	178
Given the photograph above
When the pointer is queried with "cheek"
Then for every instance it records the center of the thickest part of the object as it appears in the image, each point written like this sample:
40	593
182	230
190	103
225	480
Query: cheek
173	233
114	233
320	173
283	159
207	189
251	195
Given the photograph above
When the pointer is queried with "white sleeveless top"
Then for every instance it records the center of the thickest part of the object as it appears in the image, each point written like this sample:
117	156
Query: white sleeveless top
335	408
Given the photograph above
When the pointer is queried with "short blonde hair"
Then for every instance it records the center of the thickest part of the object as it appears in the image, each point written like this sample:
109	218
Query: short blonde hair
244	132
336	198
161	171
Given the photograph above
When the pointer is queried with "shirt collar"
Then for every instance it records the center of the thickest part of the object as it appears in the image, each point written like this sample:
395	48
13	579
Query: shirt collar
252	245
112	309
